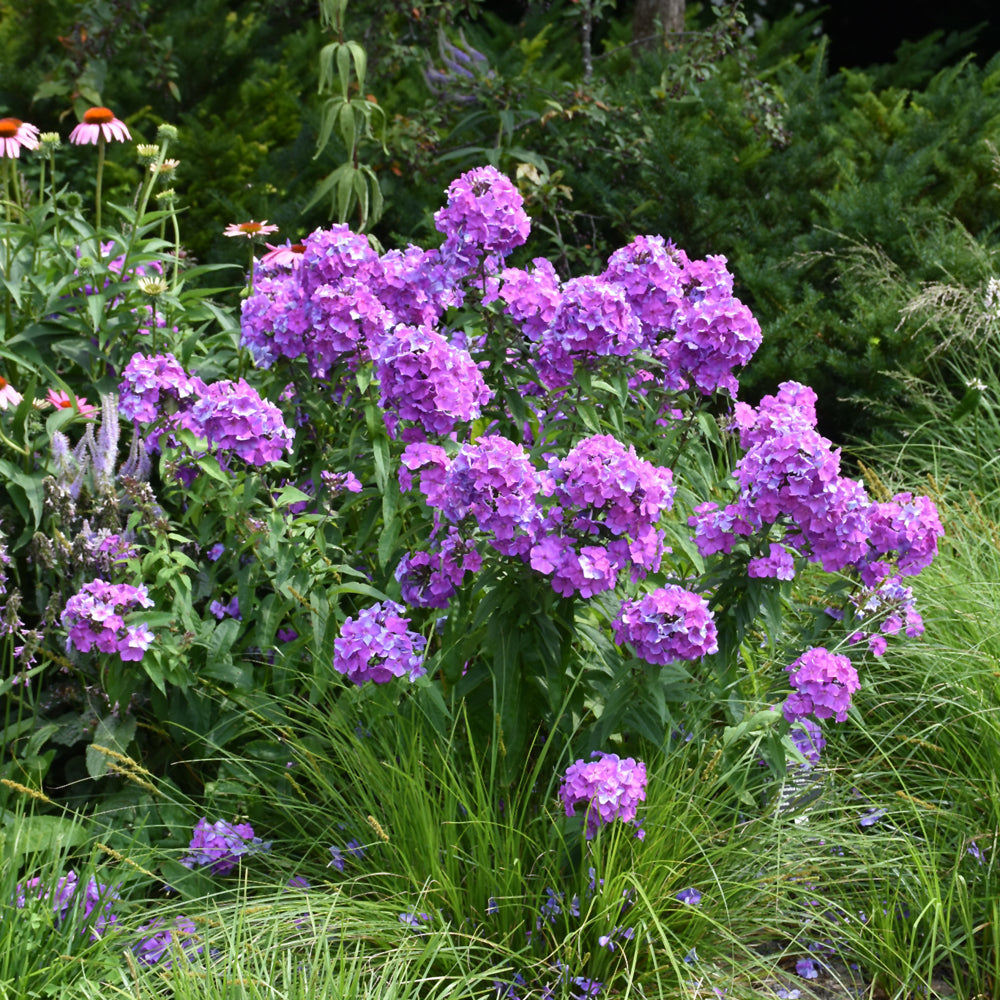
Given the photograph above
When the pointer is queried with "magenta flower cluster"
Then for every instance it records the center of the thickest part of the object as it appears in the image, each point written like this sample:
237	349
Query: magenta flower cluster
607	788
377	646
651	298
583	521
823	683
789	477
230	416
429	579
666	625
425	379
94	618
219	846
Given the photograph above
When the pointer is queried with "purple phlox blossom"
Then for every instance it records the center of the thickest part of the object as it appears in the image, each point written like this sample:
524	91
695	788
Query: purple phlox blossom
417	287
608	788
718	530
94	897
377	646
893	605
154	389
601	489
824	683
94	618
909	526
807	737
690	321
778	564
220	845
484	218
490	483
593	319
215	552
164	940
666	625
429	579
232	416
425	379
690	897
115	264
532	298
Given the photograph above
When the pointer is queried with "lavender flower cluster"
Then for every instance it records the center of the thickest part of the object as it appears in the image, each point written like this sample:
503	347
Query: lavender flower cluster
377	646
230	416
607	788
94	619
219	846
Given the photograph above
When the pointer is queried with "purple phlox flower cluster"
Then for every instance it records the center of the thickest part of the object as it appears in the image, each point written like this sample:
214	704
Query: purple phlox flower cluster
103	549
689	319
778	564
608	788
230	415
593	319
790	475
326	310
807	737
491	482
824	683
219	846
607	503
426	379
94	618
377	646
155	386
429	579
233	416
417	286
666	625
690	897
484	218
532	298
162	940
893	605
95	896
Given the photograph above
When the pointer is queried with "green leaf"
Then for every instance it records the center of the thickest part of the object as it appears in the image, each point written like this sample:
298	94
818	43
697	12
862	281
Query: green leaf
40	834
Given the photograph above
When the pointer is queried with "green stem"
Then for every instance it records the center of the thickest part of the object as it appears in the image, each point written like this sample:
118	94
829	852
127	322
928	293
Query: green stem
100	173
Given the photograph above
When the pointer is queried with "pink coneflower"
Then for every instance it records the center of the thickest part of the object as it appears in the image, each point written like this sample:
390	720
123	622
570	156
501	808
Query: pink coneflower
61	401
99	123
9	396
290	255
14	134
249	229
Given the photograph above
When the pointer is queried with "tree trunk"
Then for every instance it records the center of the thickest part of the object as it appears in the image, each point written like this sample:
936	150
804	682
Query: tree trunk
669	13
